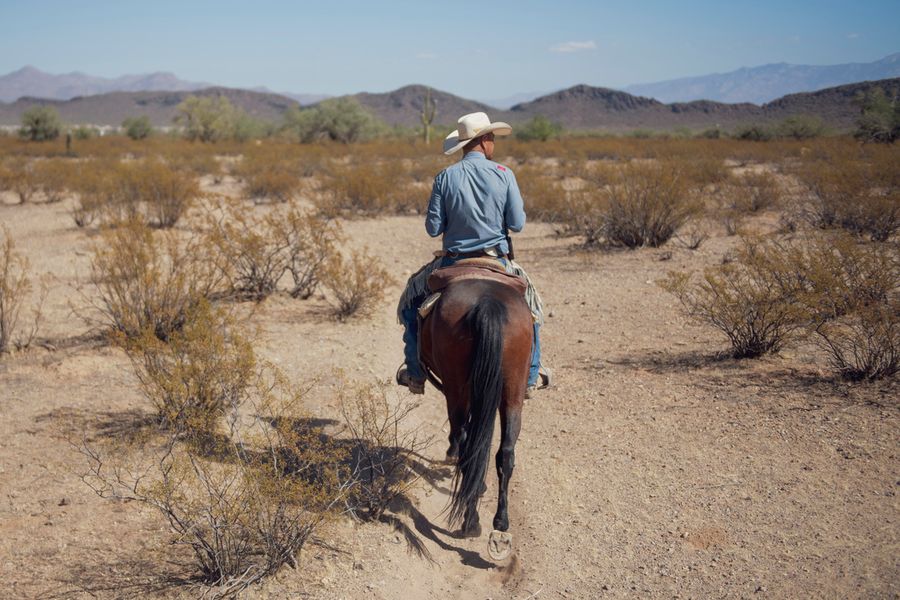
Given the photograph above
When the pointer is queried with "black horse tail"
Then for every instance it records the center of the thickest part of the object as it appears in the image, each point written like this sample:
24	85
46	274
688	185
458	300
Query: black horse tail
486	321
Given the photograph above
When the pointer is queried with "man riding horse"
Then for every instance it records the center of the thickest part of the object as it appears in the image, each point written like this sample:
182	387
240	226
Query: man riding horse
474	203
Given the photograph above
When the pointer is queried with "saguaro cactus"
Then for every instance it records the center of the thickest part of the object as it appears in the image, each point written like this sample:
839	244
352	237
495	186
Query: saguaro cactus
429	110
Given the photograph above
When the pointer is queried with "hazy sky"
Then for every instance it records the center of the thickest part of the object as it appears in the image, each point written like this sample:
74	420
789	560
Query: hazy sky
474	49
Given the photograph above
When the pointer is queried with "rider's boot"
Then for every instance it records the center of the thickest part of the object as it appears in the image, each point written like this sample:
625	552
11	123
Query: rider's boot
416	386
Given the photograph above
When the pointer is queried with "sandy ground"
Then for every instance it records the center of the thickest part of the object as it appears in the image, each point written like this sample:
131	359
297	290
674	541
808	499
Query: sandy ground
652	468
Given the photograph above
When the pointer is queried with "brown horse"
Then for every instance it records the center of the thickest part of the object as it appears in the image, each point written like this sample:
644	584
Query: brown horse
478	341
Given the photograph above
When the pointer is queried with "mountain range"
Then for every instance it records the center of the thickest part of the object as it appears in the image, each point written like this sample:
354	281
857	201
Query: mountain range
581	107
766	83
756	85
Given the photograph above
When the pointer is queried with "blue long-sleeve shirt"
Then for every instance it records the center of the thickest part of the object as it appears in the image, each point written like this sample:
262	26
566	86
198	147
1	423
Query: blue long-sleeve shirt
473	203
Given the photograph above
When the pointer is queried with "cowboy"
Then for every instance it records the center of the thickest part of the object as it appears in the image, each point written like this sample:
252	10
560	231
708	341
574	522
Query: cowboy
474	203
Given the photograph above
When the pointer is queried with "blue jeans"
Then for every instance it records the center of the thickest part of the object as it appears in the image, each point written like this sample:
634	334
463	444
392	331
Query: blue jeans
410	319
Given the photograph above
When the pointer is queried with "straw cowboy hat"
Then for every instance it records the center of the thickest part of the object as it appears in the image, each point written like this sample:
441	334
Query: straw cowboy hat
470	127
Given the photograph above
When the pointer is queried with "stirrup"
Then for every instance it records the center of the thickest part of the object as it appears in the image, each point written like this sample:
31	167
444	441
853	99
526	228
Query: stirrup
546	377
416	386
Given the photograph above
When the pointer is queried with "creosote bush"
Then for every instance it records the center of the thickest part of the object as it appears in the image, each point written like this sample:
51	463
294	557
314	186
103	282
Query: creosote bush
251	251
864	345
149	190
752	192
309	241
357	284
17	176
14	287
197	377
743	299
148	280
846	194
362	189
644	205
844	292
384	446
53	177
243	499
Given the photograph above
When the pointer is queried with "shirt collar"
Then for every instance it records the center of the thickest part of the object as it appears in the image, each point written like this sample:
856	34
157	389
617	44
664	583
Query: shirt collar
473	155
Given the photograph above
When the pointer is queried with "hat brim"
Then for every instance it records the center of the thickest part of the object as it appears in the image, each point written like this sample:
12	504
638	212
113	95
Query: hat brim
452	143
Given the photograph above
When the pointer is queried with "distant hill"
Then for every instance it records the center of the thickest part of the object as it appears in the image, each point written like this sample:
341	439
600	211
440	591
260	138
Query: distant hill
29	81
403	106
160	107
580	107
585	107
766	83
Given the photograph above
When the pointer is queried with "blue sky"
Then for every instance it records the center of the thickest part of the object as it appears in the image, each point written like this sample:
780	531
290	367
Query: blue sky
474	49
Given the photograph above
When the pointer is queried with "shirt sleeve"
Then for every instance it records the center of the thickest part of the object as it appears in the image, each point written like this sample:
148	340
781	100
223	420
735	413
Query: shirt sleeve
435	219
514	213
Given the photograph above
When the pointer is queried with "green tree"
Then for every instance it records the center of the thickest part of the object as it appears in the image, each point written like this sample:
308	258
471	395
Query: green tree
879	120
341	120
539	128
137	128
207	119
40	123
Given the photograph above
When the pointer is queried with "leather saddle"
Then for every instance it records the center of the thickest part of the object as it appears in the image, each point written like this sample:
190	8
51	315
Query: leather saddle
475	268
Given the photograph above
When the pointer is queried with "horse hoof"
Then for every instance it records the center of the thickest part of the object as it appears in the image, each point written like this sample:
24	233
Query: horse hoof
500	545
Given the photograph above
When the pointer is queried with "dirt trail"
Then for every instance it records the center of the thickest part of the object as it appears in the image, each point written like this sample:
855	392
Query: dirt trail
652	469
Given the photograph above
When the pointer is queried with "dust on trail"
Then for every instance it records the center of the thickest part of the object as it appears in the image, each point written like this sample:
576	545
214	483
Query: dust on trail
652	469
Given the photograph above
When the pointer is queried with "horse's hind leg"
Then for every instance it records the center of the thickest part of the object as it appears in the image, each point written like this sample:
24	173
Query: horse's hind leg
456	414
510	423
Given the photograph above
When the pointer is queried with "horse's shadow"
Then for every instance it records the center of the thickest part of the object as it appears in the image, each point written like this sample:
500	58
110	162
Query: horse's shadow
434	473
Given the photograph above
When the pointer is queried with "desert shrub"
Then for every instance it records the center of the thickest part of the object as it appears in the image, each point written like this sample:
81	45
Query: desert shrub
342	120
198	164
270	181
83	132
842	195
753	192
18	177
753	133
53	177
829	284
40	123
310	241
250	254
645	205
166	193
357	284
711	133
879	119
360	189
851	297
137	128
538	128
244	508
704	171
148	190
693	235
800	127
864	345
14	287
149	281
544	198
384	447
199	375
743	298
89	183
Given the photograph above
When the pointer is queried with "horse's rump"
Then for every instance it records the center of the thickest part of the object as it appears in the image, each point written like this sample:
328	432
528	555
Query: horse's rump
478	341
